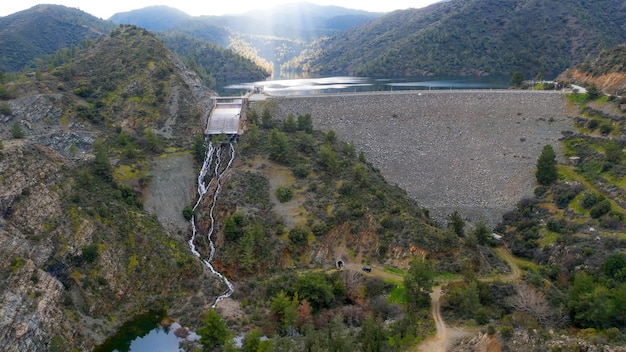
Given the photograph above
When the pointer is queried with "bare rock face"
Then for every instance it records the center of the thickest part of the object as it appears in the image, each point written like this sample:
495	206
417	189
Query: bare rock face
613	83
30	298
171	189
30	310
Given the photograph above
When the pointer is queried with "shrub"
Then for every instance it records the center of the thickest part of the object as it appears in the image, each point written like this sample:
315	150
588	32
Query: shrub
606	128
506	332
188	213
301	170
199	148
5	109
593	124
613	152
17	131
541	191
284	193
564	193
593	92
603	207
299	236
588	200
556	225
90	253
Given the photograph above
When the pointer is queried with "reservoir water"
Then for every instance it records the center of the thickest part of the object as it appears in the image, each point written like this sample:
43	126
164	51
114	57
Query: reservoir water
347	84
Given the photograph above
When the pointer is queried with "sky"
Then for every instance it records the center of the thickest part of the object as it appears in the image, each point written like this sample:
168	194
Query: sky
105	9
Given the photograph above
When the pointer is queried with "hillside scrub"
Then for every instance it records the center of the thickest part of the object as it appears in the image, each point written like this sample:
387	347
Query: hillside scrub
342	201
573	229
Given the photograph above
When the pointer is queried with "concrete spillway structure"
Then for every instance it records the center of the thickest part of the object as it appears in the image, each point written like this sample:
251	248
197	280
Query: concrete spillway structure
226	115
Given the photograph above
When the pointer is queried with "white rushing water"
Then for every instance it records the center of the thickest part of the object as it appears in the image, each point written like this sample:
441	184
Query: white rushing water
213	157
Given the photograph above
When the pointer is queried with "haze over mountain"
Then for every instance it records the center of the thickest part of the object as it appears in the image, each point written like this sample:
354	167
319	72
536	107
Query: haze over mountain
276	35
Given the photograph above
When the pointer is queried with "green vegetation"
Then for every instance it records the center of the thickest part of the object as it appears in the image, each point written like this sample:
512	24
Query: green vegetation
218	67
339	194
64	28
418	283
608	61
471	39
188	213
214	333
90	253
17	131
5	109
578	215
546	166
517	79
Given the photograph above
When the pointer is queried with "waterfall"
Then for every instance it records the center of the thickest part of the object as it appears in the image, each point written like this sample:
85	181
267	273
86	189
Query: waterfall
213	155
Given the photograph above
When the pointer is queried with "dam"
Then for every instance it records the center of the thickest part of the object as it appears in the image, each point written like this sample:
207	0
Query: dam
471	151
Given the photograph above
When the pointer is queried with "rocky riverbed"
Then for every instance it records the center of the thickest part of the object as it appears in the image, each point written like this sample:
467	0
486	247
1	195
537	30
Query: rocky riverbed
471	151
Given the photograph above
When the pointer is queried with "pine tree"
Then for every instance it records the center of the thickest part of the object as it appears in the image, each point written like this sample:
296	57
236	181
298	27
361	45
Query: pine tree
546	166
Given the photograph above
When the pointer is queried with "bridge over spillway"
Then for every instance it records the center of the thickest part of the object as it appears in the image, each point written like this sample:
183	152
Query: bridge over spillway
226	116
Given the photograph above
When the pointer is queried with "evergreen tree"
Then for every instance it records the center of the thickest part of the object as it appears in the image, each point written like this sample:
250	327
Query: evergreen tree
418	283
517	78
305	124
457	224
289	125
546	166
101	164
593	92
280	148
373	337
214	333
199	148
266	119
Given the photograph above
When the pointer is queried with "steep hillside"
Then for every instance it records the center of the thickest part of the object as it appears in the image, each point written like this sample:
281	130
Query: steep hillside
217	66
79	253
607	71
42	30
476	37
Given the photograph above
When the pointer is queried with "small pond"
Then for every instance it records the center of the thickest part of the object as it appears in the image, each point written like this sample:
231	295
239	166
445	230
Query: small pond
149	332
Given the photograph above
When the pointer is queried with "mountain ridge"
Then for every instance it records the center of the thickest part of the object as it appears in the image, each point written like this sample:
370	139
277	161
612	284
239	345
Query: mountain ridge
42	30
473	38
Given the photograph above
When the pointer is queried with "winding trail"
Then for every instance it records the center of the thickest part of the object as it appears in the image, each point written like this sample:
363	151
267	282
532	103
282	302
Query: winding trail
446	336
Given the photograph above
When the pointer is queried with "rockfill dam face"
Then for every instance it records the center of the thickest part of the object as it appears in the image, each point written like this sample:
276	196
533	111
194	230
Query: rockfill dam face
471	151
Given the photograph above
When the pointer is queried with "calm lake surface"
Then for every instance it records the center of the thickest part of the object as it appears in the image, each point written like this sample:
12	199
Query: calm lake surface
346	84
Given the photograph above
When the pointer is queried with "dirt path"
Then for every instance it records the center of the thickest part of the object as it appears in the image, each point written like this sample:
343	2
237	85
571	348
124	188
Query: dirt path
446	336
515	273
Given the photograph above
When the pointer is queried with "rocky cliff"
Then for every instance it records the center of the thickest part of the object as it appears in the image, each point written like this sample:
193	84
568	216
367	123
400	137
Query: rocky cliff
79	255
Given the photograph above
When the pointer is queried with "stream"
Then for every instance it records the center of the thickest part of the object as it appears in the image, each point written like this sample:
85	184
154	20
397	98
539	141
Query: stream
212	166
